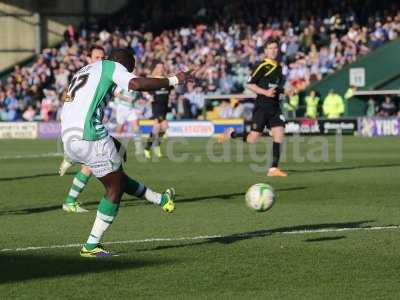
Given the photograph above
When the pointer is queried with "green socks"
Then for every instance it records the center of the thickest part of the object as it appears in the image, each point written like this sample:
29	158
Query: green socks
106	212
78	184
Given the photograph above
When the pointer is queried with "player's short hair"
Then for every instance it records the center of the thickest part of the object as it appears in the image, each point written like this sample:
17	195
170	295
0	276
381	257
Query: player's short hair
95	47
271	41
124	57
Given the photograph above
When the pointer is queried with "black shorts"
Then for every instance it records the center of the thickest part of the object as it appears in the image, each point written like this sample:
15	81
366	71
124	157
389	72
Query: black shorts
159	116
266	117
159	112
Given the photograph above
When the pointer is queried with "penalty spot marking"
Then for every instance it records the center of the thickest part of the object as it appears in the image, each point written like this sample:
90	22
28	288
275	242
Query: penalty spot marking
213	237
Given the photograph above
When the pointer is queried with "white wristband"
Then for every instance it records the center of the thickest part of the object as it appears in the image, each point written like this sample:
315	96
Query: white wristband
173	80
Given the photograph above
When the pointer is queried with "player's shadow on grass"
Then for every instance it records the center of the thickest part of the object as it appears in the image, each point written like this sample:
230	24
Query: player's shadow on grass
135	202
34	176
325	239
32	210
232	195
210	197
20	267
344	168
233	238
290	170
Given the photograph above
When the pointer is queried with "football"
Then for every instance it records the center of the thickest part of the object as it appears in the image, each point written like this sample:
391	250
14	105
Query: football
260	197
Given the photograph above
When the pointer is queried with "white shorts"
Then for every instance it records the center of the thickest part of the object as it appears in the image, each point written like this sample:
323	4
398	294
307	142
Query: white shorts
124	115
101	156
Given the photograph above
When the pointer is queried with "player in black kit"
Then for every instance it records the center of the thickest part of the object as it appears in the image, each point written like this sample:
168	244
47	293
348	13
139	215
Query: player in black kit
160	107
267	82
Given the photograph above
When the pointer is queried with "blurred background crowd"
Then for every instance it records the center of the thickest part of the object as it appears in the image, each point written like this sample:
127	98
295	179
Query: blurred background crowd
223	53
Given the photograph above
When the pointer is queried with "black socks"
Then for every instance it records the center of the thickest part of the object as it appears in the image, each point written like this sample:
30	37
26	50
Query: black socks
276	153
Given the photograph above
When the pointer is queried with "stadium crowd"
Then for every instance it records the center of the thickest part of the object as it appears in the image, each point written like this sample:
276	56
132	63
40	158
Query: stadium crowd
223	55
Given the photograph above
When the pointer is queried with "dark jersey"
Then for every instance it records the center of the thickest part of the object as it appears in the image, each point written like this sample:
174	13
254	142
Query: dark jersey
266	75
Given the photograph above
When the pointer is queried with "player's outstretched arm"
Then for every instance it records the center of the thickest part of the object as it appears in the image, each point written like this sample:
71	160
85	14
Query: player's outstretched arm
153	84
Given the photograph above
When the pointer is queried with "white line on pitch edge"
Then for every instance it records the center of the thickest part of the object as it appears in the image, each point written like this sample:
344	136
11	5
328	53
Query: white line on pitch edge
21	156
211	237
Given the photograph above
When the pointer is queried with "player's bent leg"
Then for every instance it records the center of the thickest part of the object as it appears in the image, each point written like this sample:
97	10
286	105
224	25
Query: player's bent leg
137	189
278	134
253	137
230	133
226	135
258	125
79	182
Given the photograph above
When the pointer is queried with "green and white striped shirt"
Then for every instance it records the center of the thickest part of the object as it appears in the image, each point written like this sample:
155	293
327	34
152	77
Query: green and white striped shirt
83	110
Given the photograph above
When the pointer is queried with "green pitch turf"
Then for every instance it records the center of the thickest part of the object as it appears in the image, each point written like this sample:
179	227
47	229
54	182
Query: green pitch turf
313	244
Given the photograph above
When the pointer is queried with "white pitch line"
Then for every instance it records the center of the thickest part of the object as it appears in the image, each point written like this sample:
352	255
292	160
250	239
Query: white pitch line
22	156
211	237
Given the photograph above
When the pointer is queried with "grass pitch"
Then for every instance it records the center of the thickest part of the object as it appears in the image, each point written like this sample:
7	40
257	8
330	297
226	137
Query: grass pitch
313	244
